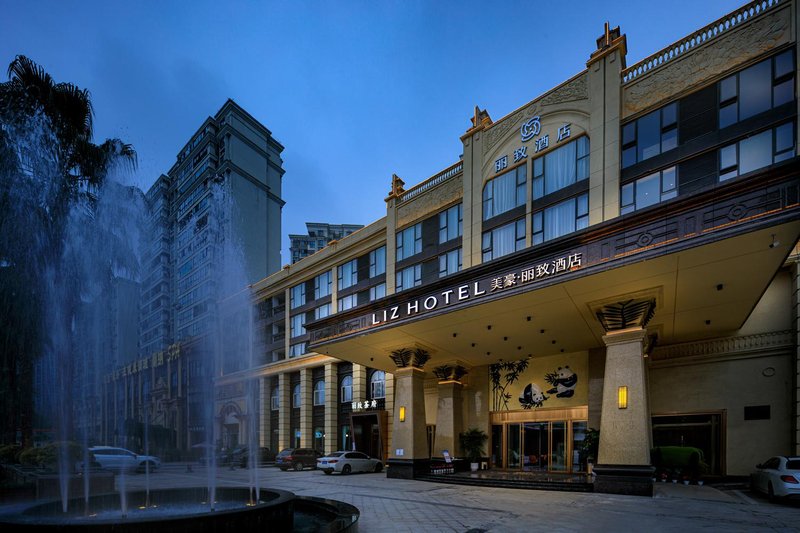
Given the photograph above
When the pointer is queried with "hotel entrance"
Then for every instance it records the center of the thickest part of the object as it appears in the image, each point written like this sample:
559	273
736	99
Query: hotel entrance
546	442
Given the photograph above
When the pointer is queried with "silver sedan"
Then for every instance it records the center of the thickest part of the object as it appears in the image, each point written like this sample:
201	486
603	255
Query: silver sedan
347	462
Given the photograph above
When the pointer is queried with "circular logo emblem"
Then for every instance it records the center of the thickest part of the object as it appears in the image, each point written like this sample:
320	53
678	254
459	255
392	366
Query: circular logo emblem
530	129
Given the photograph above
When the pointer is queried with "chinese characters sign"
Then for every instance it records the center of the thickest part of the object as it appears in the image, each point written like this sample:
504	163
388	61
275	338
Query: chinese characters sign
530	130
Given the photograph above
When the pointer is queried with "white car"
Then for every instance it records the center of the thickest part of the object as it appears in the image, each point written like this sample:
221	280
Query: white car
777	477
347	462
120	459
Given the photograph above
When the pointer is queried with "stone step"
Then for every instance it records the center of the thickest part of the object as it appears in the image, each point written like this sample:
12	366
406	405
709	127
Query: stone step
510	483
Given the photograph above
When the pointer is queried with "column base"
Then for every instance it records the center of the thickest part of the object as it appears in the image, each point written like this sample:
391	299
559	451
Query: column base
634	480
407	468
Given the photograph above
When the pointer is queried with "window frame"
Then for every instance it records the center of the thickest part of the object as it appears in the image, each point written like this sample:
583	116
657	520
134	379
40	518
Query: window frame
446	232
352	265
411	232
664	194
373	382
417	277
346	389
665	134
319	392
520	174
539	172
489	248
581	218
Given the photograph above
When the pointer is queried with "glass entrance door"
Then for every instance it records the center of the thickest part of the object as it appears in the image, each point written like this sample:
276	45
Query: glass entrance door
513	446
536	446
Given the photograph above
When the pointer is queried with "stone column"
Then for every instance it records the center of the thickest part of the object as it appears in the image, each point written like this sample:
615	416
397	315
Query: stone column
389	406
408	456
306	403
285	412
331	408
359	383
448	418
796	322
264	410
625	441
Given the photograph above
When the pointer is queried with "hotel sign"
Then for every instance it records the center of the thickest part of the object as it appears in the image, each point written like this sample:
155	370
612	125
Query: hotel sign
529	130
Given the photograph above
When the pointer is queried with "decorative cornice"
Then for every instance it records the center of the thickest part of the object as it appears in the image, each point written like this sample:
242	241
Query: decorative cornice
404	357
449	373
725	347
628	314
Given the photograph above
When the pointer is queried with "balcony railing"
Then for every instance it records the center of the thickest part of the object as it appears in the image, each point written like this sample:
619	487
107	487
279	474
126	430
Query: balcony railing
701	36
431	182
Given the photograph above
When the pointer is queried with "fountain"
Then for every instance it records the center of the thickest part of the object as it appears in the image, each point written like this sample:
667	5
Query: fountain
100	241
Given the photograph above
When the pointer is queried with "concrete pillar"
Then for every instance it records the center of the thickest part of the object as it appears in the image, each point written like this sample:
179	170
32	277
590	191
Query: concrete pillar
389	406
306	403
795	445
359	383
625	441
331	408
408	456
264	412
285	411
448	418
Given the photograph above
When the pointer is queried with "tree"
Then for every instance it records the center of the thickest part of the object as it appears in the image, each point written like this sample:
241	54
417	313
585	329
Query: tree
48	165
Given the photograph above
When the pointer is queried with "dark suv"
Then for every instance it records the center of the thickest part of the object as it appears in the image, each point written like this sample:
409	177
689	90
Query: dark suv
297	458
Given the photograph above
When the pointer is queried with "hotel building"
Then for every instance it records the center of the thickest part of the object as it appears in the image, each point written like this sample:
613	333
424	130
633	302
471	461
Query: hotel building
617	253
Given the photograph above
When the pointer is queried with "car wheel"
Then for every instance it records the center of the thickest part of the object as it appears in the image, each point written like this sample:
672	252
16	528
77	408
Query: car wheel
770	492
327	472
378	467
346	469
284	468
298	466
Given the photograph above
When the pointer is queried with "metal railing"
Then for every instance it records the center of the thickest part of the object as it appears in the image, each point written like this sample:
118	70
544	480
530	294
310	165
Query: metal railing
701	36
431	182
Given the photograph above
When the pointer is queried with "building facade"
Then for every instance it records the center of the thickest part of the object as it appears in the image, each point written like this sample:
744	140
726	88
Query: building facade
221	198
319	236
616	254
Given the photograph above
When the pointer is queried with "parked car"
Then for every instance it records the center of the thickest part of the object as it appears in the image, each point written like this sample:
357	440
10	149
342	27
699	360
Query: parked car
120	459
297	458
347	462
777	477
241	456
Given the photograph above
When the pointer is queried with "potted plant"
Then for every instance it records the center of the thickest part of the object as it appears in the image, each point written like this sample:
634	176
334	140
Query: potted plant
472	442
589	448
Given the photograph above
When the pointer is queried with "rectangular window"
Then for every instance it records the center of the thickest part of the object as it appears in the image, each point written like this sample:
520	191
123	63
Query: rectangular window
450	262
503	240
298	295
347	274
757	151
561	167
296	350
319	393
377	262
504	193
409	277
348	302
561	219
649	190
322	285
450	224
298	325
409	242
377	292
322	311
756	89
650	135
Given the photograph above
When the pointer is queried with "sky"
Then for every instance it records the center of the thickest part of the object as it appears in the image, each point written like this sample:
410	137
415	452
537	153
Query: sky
354	90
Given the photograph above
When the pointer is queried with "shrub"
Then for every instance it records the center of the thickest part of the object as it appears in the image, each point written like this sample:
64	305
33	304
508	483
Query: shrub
9	454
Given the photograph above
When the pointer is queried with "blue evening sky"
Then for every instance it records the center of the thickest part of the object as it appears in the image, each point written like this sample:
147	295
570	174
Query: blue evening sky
355	90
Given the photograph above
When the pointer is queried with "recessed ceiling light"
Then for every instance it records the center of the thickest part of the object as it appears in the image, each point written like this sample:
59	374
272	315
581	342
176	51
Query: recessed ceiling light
473	344
488	353
505	338
489	327
519	347
529	319
553	342
455	334
541	331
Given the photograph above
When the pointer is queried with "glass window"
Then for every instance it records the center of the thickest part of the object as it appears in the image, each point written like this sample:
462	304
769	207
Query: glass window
503	240
377	292
322	285
408	277
296	398
298	325
348	302
377	384
649	190
346	393
561	167
298	295
759	88
504	193
322	311
561	219
319	392
347	274
757	151
275	400
296	350
409	242
377	262
650	135
450	262
450	224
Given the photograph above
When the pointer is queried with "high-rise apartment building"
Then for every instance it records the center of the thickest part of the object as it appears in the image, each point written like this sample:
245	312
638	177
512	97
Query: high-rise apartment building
319	235
222	196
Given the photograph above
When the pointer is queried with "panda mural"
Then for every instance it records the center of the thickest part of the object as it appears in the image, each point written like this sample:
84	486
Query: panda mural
562	381
532	396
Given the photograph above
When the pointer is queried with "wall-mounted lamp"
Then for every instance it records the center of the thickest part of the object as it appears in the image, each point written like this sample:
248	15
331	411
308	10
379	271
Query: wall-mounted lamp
622	397
402	414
